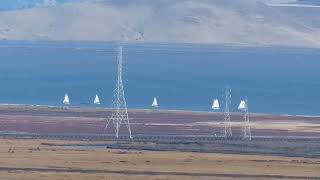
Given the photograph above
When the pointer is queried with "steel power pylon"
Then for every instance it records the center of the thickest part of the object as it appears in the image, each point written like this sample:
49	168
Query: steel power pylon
246	122
119	106
227	132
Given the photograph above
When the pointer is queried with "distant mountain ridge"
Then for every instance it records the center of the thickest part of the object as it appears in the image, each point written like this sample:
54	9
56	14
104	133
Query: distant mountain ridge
6	5
11	5
238	22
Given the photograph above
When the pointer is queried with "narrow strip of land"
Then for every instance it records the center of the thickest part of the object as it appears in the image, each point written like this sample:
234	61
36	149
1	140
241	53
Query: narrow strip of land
58	120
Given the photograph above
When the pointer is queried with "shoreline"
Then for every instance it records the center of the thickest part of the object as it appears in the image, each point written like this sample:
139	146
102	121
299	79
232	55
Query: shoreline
151	110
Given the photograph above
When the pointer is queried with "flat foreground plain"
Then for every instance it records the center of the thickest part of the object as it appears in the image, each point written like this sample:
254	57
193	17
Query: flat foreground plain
32	160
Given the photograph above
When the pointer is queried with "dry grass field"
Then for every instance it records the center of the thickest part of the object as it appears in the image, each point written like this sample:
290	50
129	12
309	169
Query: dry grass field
32	160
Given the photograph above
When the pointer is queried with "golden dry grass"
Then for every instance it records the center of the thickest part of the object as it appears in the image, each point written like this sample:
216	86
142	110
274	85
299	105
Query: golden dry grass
31	154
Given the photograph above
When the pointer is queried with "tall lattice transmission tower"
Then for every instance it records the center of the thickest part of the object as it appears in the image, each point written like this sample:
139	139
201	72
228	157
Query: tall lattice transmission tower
119	106
246	121
227	132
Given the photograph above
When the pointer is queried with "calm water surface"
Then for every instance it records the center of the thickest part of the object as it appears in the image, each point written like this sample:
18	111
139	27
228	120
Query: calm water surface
182	76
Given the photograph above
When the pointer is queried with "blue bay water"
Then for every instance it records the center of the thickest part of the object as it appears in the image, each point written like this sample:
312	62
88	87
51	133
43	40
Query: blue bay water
182	76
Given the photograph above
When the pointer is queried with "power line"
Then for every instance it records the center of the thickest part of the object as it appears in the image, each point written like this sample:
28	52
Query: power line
119	106
227	132
246	122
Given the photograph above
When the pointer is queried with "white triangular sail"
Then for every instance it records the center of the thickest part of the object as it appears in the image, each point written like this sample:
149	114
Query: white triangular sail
155	102
96	100
242	105
245	104
66	99
216	104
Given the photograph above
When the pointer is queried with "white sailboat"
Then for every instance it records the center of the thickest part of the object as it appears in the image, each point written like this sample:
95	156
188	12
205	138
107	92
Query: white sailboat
242	105
155	103
215	104
66	100
96	100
